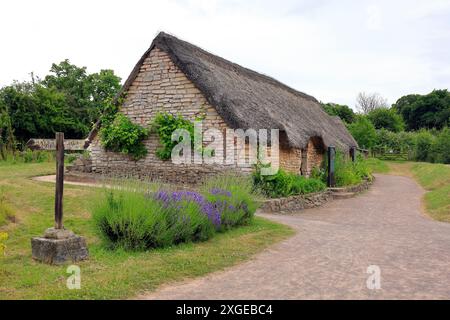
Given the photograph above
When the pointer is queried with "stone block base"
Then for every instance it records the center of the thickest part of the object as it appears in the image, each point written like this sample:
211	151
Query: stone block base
58	251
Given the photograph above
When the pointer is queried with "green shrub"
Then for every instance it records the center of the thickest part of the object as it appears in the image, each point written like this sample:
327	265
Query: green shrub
440	150
424	142
122	135
349	173
164	124
426	145
126	219
302	185
364	132
346	172
284	184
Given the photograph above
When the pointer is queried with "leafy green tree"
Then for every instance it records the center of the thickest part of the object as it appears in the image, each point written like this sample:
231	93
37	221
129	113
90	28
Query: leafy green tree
6	132
364	132
342	111
425	111
37	111
68	99
23	111
384	118
86	94
103	87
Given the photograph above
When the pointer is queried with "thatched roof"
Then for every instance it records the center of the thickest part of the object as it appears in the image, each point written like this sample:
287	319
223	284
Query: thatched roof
247	99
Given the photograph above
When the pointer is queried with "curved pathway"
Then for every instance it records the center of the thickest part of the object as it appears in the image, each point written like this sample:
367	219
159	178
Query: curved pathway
332	249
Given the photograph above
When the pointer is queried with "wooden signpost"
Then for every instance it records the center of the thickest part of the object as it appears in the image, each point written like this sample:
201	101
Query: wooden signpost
58	245
60	145
50	144
59	190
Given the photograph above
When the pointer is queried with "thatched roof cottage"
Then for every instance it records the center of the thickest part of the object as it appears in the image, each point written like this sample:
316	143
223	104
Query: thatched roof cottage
181	78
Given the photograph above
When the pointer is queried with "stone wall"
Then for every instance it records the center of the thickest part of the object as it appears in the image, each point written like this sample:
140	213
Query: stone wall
290	159
315	154
161	87
301	202
295	203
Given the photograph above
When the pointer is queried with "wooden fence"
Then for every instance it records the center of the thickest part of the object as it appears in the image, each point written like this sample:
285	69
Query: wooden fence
389	154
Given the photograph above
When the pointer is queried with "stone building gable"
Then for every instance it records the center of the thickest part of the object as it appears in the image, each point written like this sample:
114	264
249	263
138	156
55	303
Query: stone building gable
161	86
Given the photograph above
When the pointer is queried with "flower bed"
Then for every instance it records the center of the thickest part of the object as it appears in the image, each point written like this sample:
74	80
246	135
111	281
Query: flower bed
137	218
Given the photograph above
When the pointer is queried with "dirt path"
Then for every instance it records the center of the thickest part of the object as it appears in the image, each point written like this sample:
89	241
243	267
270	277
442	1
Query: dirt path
334	245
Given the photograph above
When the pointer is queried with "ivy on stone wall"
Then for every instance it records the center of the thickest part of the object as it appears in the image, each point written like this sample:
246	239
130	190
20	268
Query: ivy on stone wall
119	134
164	125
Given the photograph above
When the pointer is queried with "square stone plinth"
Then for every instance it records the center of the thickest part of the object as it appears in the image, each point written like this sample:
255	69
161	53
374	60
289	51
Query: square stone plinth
58	251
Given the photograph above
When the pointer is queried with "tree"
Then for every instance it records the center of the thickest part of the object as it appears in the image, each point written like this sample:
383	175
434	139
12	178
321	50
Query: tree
425	111
369	102
364	132
6	132
384	118
103	86
37	111
68	99
342	111
86	94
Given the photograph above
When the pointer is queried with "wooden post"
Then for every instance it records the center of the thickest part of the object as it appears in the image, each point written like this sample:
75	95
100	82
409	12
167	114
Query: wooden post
353	154
59	180
304	164
331	157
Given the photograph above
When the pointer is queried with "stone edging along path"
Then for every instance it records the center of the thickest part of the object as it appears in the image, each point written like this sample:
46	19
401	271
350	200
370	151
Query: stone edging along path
312	200
279	205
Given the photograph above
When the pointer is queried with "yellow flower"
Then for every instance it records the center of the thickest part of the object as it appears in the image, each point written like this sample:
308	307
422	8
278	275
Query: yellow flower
3	237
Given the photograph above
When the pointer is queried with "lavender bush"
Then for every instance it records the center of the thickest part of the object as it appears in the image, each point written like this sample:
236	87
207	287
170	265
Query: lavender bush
233	196
189	216
132	218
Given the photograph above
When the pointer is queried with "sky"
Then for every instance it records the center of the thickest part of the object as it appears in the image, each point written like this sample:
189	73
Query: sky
329	49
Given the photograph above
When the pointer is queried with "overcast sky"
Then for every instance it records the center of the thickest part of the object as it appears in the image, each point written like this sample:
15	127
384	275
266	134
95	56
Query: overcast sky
329	49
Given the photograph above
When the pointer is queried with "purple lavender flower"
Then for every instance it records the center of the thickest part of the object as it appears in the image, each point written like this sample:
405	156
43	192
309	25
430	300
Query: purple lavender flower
173	200
221	192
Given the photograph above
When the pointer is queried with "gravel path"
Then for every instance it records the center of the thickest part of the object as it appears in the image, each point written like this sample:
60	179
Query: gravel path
334	245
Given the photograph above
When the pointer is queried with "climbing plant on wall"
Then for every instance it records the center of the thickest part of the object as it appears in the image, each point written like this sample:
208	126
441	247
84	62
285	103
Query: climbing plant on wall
119	134
164	124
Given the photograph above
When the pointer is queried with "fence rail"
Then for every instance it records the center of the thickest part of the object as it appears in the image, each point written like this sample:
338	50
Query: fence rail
393	156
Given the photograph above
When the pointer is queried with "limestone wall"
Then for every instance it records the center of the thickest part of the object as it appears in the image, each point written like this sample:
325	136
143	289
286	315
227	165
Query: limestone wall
161	87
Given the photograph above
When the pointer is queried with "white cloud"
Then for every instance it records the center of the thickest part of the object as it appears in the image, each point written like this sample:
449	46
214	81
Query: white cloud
330	49
373	17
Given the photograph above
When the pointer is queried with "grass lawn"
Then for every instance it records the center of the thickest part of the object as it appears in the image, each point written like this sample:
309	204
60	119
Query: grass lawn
107	274
377	166
435	178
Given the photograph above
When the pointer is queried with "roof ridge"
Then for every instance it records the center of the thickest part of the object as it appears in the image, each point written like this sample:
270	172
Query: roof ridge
162	36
